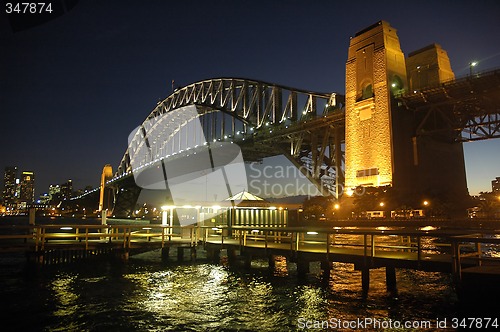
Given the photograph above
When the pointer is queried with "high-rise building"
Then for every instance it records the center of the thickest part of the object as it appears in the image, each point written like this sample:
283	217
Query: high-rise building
495	186
27	187
10	186
44	198
54	193
67	189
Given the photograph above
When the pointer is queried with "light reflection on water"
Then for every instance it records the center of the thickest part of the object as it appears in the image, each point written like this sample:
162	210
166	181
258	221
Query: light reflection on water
145	295
63	292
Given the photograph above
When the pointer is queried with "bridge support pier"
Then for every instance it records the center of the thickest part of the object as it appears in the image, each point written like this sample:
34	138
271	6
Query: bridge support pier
390	279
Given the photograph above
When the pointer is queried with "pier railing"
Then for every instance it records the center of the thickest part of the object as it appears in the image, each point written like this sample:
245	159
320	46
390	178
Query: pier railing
38	237
483	250
454	246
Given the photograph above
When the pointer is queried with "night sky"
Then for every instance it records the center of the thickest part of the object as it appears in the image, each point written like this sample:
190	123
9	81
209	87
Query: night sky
72	89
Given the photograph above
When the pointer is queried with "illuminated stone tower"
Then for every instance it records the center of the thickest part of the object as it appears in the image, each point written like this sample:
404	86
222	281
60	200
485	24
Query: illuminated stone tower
375	70
428	66
382	147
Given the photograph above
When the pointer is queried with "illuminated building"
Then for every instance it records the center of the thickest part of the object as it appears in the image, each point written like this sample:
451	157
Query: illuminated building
67	189
44	198
495	186
27	187
10	186
54	192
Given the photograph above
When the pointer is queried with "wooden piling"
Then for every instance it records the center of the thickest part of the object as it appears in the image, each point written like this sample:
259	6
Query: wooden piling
326	268
271	262
247	261
390	279
365	280
302	267
180	254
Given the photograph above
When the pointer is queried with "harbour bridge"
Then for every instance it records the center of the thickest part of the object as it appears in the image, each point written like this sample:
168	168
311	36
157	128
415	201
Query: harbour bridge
313	130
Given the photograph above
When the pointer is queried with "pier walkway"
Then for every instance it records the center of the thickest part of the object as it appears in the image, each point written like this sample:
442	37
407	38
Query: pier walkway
473	258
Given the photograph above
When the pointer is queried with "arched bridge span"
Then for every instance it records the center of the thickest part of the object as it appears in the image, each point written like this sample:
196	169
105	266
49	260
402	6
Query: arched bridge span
267	119
264	119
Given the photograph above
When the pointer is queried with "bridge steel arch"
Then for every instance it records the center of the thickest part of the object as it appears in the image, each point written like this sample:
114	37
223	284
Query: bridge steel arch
264	119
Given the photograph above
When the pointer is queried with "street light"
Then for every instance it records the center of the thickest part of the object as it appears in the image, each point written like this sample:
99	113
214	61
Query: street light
472	64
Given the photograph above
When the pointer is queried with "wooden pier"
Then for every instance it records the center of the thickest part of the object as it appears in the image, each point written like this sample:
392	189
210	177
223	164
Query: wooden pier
430	249
472	258
55	244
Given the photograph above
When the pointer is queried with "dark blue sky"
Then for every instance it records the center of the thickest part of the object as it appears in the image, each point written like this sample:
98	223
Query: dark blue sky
72	89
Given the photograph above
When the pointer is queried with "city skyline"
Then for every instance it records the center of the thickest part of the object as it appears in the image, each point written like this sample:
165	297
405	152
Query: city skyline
83	81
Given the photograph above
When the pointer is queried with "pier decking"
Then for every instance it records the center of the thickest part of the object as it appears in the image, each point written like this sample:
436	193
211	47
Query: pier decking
472	258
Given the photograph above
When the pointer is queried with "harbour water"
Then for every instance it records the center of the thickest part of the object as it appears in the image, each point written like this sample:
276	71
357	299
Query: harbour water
147	294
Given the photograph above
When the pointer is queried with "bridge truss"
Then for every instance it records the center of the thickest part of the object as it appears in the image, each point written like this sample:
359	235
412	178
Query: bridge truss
469	108
264	119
